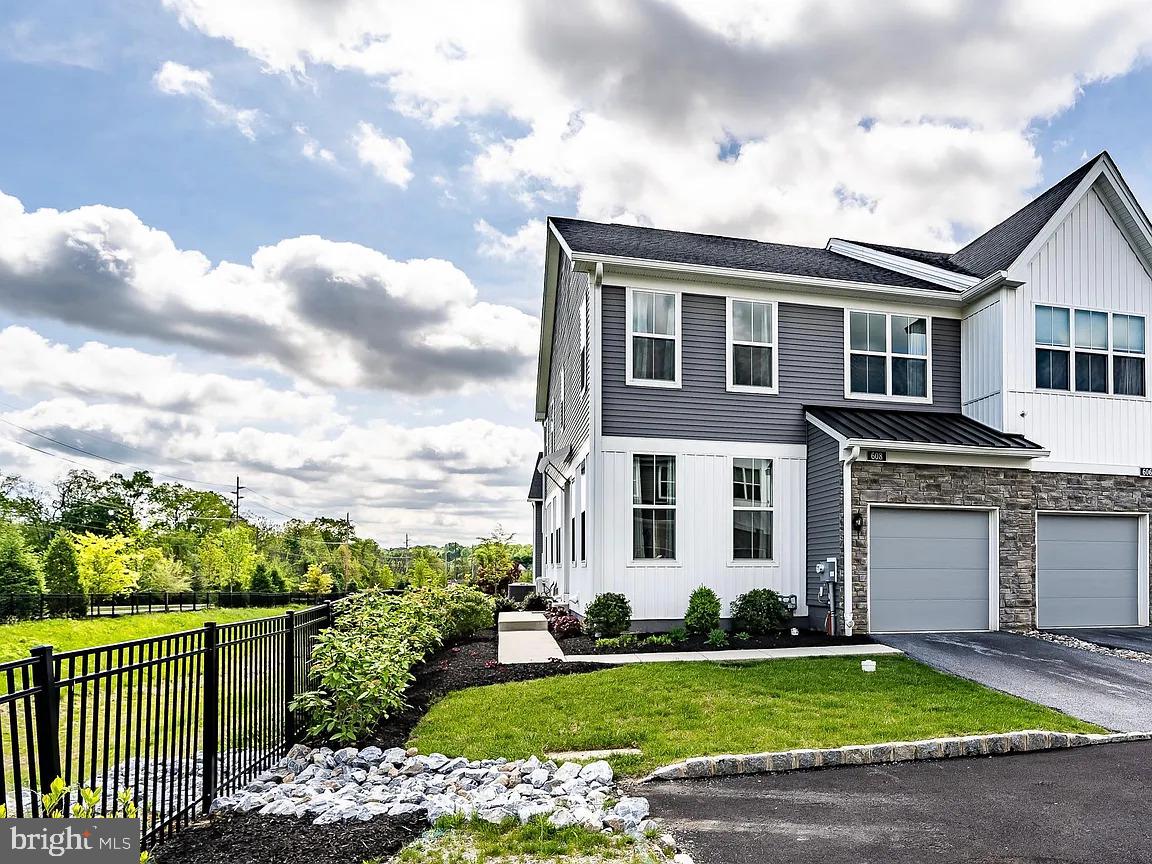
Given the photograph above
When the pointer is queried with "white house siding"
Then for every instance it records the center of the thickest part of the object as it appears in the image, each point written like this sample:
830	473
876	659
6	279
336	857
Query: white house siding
982	363
1086	263
659	591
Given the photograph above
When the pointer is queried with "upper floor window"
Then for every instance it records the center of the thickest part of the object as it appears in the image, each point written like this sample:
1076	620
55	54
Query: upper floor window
1089	351
653	343
584	343
752	345
653	507
889	355
752	509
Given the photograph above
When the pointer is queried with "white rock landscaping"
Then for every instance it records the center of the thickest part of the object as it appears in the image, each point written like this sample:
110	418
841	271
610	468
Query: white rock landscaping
329	786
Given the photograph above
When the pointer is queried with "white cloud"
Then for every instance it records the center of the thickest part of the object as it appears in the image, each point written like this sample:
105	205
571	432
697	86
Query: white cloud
338	314
389	158
526	243
311	149
179	80
897	121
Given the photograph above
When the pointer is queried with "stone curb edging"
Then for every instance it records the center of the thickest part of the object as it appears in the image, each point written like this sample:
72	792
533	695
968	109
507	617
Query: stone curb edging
1027	741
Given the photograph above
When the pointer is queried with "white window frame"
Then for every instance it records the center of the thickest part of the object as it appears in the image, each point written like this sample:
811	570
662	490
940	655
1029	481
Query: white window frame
584	342
679	311
730	341
1072	350
888	355
633	507
1105	352
733	508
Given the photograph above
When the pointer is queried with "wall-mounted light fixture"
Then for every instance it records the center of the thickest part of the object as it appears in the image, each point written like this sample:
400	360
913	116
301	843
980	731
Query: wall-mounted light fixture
857	522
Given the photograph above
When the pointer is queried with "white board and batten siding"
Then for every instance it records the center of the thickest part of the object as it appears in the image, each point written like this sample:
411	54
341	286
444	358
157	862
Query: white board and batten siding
1087	263
982	363
659	590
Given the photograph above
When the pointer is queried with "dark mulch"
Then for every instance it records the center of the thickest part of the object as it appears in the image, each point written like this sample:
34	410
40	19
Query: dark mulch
471	663
227	838
806	639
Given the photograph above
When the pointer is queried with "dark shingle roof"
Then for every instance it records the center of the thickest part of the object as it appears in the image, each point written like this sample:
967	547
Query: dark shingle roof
998	247
536	489
943	260
917	427
681	247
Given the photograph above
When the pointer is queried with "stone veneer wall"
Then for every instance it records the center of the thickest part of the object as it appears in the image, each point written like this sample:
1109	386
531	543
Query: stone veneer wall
1017	492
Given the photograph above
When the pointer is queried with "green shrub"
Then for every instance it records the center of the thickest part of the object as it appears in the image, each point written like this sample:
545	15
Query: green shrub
760	611
608	615
743	637
717	639
678	635
62	577
364	661
535	602
506	604
703	615
615	643
659	640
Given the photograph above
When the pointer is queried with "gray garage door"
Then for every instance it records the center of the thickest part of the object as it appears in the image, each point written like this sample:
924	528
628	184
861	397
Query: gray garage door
928	570
1086	570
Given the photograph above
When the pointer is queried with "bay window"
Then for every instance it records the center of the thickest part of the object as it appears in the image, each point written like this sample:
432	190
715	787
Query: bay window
888	355
653	342
752	509
751	345
653	507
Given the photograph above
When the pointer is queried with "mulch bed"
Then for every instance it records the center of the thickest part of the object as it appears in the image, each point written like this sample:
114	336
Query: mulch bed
784	639
228	838
471	663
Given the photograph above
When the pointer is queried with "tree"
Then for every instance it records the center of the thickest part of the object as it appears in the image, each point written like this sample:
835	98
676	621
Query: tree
102	563
316	581
227	559
20	578
264	579
422	574
62	576
176	508
495	564
156	572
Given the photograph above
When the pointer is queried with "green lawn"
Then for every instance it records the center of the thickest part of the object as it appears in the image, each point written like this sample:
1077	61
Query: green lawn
672	711
65	634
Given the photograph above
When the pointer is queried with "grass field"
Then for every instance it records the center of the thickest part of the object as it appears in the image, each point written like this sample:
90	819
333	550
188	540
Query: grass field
66	634
671	711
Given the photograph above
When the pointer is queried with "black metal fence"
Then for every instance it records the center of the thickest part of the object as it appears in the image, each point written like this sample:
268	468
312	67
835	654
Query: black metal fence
174	720
45	605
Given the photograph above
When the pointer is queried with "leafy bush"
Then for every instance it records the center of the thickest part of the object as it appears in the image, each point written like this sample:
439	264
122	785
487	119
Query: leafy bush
717	639
760	611
743	637
660	640
565	626
506	604
624	640
609	615
678	635
364	661
703	615
535	602
20	578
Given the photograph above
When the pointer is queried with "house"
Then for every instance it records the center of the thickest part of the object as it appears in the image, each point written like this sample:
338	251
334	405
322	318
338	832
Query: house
951	441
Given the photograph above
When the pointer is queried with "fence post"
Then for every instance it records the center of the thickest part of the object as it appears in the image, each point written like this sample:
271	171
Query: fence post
47	702
289	676
211	714
331	616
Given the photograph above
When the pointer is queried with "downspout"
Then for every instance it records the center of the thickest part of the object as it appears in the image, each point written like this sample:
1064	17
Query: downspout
850	455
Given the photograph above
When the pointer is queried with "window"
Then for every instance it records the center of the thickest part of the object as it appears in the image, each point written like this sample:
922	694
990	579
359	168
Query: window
573	539
1052	329
561	397
752	509
583	512
653	347
888	355
583	343
653	507
1090	351
752	341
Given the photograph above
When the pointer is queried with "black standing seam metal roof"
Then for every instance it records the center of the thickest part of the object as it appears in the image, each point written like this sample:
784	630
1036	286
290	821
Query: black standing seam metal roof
708	250
536	489
916	427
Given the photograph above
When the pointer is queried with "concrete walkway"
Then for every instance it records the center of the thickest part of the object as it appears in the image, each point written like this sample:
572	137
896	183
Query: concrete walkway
735	654
523	637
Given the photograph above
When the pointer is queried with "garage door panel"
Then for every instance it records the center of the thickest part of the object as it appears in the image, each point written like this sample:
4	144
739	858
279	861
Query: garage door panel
1088	555
912	583
1090	583
894	615
1088	612
916	524
1052	526
916	553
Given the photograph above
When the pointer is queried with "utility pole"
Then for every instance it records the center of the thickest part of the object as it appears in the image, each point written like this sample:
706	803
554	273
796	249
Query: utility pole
236	506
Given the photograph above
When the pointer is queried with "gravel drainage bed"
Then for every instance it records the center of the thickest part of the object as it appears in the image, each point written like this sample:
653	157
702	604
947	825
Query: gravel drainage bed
227	838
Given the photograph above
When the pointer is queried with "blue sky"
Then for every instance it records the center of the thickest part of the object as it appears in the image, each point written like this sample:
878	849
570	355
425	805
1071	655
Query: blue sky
383	363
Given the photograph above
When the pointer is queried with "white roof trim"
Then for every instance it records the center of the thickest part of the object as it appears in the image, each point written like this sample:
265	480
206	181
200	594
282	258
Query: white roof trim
891	261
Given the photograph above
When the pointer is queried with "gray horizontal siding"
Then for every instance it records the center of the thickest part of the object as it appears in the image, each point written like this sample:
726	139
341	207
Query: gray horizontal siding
571	289
825	513
811	368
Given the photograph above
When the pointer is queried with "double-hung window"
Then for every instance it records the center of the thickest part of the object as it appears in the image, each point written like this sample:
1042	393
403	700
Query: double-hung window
752	509
752	345
653	507
653	343
888	355
1089	351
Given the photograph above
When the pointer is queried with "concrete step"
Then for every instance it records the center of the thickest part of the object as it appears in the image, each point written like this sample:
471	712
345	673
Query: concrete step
522	621
528	646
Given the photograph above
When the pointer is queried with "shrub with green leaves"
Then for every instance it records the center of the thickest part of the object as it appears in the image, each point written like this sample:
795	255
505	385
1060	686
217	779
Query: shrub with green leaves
760	611
678	635
608	615
364	661
618	643
535	603
717	639
659	640
703	615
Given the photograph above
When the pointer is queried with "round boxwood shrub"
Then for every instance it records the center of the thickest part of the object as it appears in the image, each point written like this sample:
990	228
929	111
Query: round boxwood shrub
609	615
703	615
759	612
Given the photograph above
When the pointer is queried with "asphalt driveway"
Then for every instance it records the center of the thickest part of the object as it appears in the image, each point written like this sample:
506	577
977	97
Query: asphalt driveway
1113	692
1124	638
1081	806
